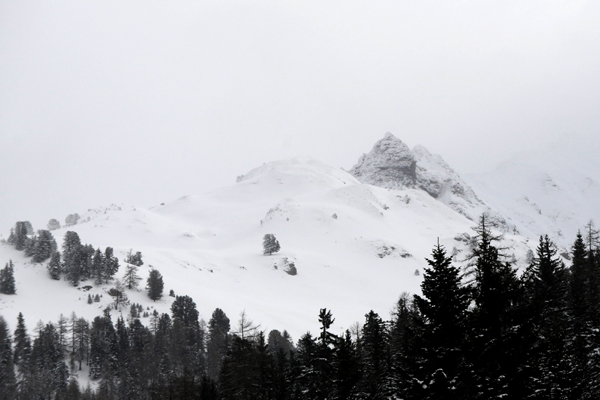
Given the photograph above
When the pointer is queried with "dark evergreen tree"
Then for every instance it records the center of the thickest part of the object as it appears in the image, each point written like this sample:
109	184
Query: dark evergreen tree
20	235
55	266
7	279
47	360
98	267
497	348
86	257
111	264
270	244
547	291
103	350
134	259
45	245
71	257
443	308
347	367
22	342
406	351
376	381
218	342
30	245
7	371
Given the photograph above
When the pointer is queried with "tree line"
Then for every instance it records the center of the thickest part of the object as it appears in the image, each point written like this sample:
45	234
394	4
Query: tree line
481	333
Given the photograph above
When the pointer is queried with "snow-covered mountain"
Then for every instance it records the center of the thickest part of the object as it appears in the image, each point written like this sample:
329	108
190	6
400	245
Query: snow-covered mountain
350	241
347	246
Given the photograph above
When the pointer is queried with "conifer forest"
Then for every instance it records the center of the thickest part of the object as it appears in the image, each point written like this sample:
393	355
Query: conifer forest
480	332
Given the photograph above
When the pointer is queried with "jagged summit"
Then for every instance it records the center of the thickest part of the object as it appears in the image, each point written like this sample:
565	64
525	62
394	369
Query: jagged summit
391	164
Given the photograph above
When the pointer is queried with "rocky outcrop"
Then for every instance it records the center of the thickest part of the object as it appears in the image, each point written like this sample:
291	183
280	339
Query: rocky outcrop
392	164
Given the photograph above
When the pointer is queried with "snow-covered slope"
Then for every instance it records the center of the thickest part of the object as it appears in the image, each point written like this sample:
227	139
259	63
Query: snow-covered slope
553	190
354	247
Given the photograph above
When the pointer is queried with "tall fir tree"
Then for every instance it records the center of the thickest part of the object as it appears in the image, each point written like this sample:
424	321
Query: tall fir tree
7	279
22	342
45	245
71	257
155	285
444	307
547	286
496	349
7	371
55	266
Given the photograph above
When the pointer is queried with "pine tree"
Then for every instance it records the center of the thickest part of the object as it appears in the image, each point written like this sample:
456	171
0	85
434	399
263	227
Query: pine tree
20	235
218	342
375	382
54	266
22	342
270	244
7	372
548	294
98	267
444	308
45	245
71	257
496	350
155	285
111	264
7	279
131	277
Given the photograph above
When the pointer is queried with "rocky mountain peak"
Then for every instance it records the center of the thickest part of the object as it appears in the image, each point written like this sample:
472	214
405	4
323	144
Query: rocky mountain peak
390	164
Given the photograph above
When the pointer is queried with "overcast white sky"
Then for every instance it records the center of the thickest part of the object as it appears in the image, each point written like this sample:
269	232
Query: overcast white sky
145	101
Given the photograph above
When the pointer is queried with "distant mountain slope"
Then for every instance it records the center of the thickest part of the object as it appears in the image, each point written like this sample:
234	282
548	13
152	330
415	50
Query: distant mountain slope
354	247
554	190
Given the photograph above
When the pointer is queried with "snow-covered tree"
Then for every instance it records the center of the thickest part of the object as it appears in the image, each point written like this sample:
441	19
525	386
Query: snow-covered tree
270	244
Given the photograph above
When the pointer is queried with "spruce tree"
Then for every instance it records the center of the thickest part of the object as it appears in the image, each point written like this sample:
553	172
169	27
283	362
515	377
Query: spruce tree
7	371
111	264
97	271
22	342
444	308
7	279
20	235
218	341
155	285
496	349
45	245
55	266
547	288
71	256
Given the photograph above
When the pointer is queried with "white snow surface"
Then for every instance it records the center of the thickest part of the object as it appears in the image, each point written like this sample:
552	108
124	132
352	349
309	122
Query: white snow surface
355	246
553	190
